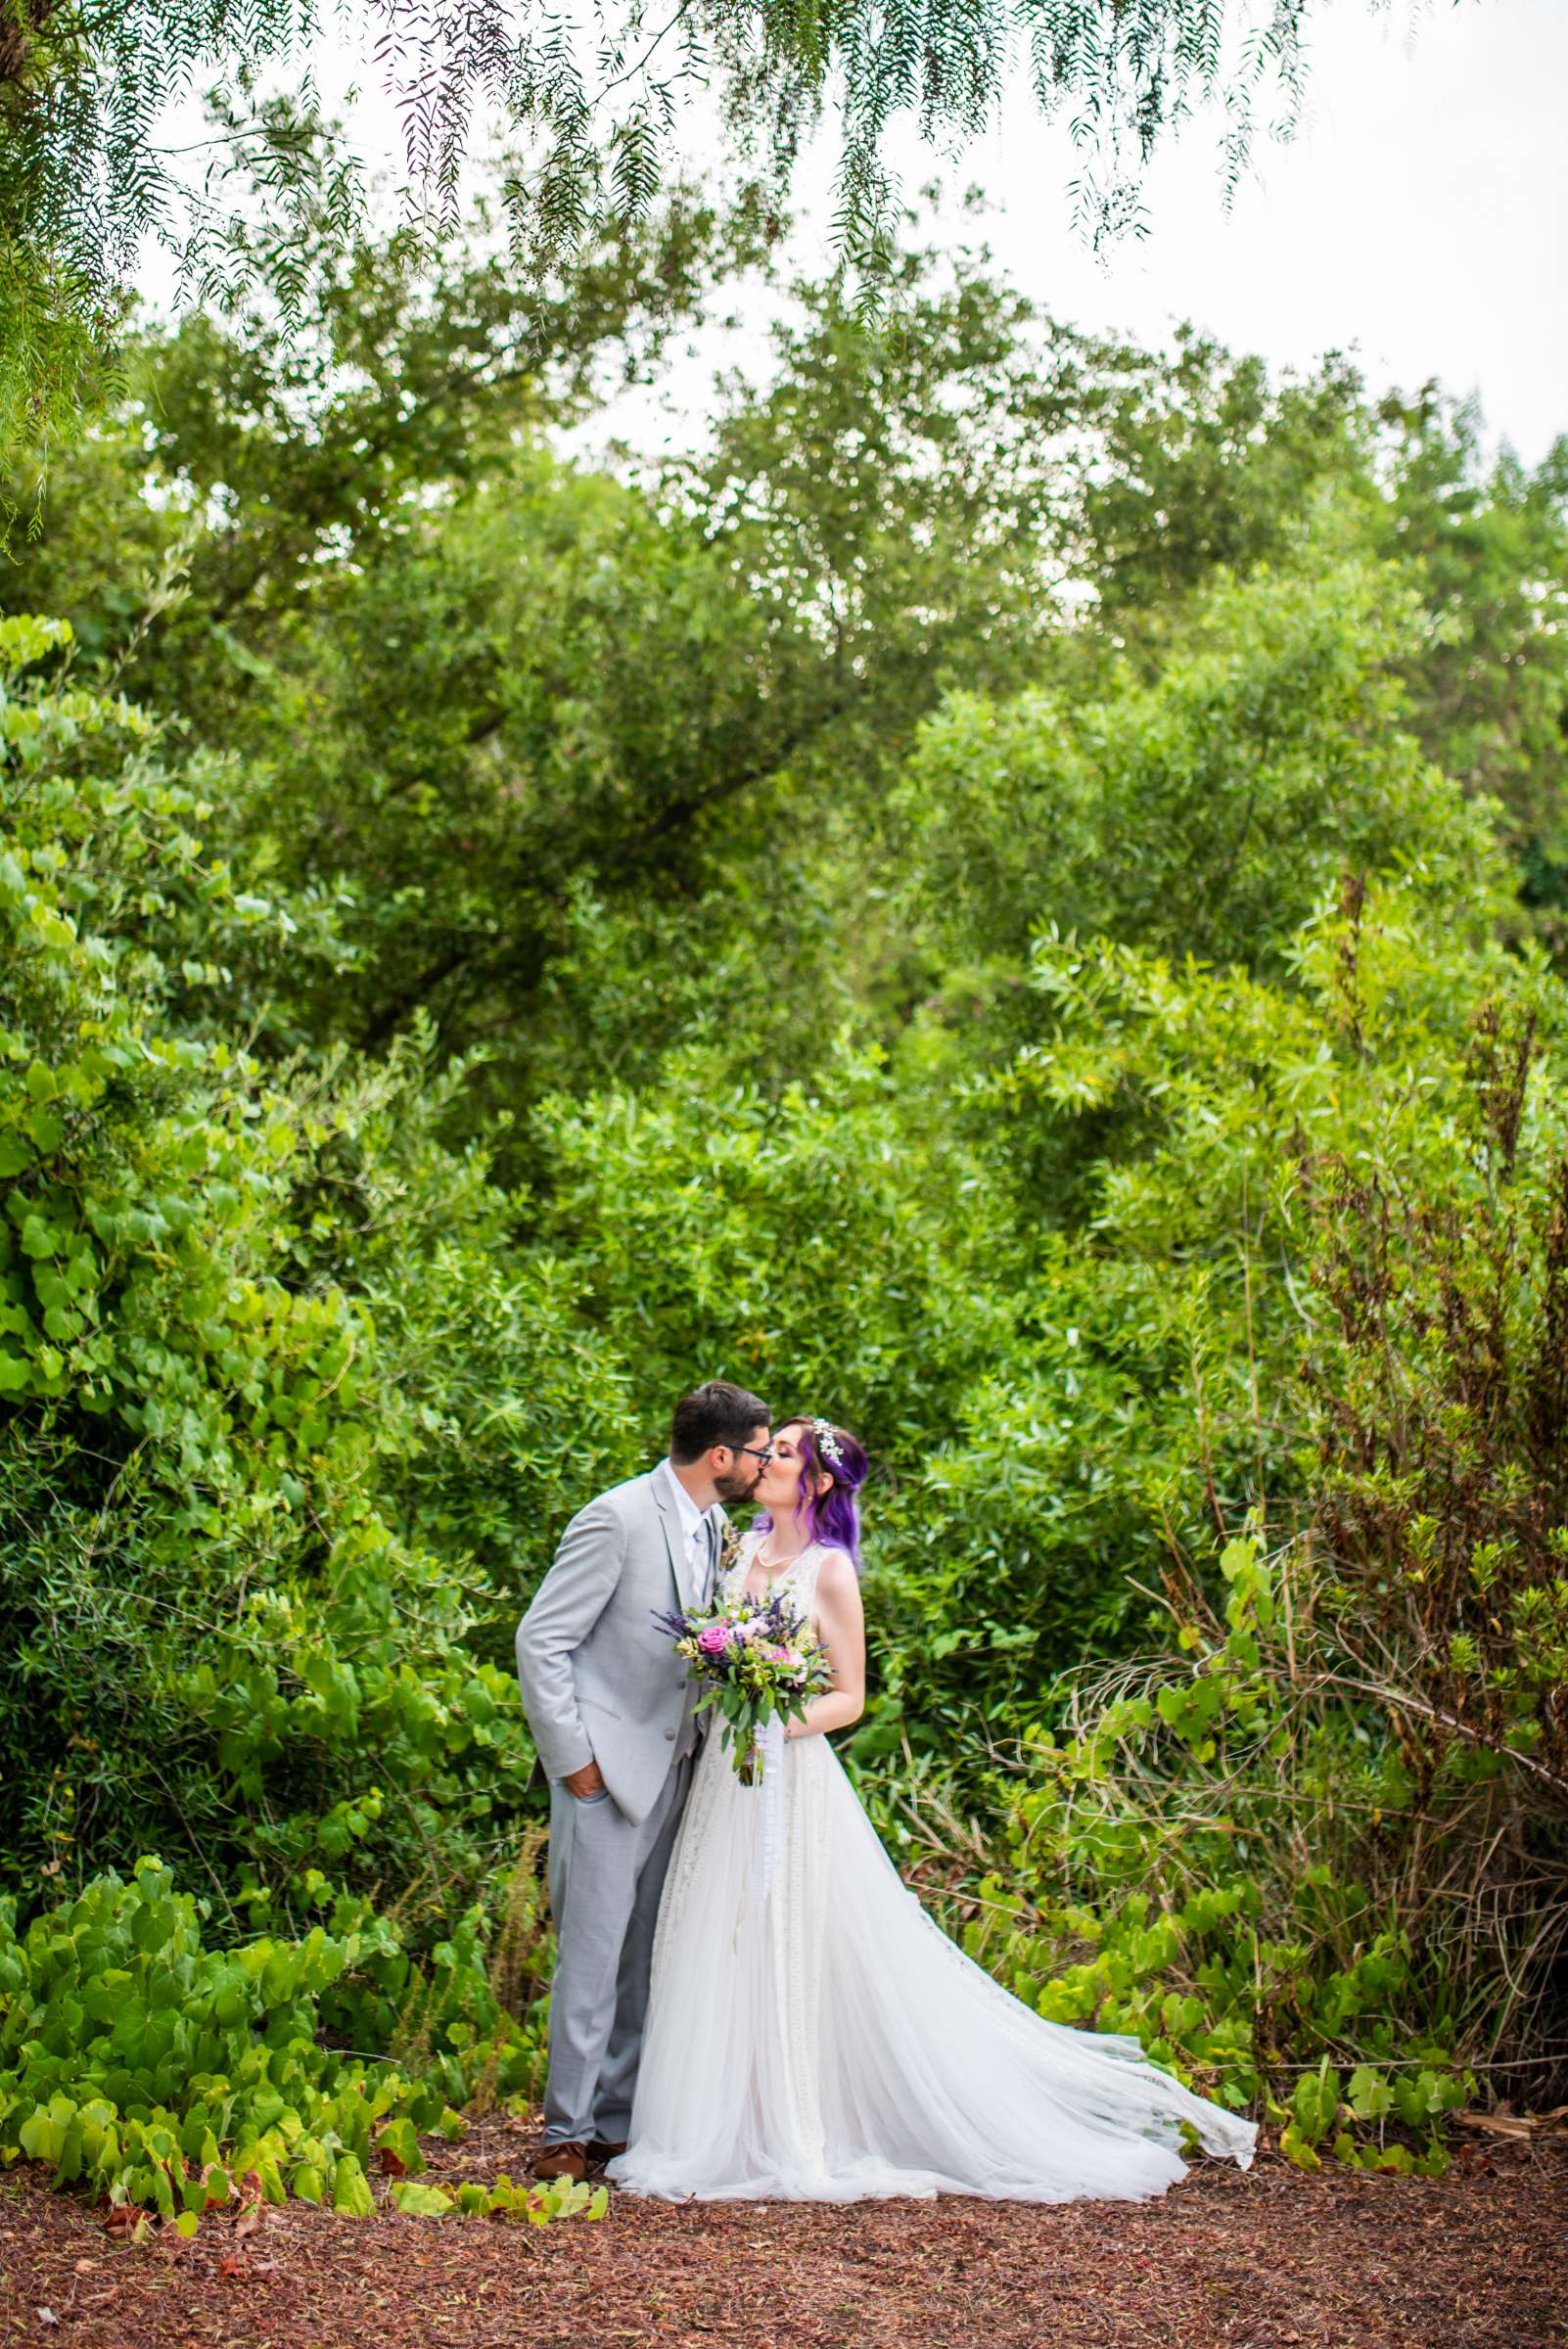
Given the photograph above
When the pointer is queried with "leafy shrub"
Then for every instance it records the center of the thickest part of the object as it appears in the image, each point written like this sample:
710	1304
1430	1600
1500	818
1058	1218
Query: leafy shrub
1189	1860
228	1634
1312	1850
174	2077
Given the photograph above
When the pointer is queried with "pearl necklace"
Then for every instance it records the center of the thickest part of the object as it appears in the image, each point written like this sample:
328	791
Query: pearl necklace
760	1558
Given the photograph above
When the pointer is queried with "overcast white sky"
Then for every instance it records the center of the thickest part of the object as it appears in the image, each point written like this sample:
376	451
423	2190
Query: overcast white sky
1419	218
1421	215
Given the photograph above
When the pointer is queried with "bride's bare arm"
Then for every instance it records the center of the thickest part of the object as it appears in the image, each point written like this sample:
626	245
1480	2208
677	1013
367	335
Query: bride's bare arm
841	1623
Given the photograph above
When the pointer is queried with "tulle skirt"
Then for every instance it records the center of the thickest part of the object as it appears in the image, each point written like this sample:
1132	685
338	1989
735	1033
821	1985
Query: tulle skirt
814	2036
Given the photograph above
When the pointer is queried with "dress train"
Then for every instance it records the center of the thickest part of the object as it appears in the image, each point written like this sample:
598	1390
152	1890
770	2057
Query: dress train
823	2039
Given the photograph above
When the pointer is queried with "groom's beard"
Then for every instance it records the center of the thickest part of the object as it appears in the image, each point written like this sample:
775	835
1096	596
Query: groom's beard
737	1487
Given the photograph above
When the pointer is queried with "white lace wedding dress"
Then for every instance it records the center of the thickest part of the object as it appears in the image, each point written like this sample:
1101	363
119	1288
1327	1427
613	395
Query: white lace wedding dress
814	2036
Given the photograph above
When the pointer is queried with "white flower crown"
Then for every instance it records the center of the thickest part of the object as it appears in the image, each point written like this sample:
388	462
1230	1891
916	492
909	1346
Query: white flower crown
827	1443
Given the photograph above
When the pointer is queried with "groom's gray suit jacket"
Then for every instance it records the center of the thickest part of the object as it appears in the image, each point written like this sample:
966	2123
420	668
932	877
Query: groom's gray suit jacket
599	1678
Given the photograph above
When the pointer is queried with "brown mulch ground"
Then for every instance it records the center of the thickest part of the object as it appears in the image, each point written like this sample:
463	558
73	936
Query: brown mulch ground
1477	2260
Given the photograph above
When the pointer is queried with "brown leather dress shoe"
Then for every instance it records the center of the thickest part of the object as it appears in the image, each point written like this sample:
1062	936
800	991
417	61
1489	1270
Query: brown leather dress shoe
600	2151
567	2158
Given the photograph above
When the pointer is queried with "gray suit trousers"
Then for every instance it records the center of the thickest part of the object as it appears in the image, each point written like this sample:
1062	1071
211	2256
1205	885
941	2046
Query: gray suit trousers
606	1873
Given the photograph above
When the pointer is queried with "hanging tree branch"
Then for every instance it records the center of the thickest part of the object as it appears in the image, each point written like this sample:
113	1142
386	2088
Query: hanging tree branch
596	99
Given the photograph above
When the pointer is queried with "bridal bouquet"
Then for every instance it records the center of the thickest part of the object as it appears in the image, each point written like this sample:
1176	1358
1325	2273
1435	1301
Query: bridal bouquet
758	1661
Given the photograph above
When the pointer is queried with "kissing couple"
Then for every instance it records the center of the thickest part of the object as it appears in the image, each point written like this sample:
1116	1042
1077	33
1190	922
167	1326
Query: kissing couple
799	2031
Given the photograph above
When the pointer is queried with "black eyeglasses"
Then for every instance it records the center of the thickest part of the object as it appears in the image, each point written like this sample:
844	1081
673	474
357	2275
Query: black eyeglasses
758	1452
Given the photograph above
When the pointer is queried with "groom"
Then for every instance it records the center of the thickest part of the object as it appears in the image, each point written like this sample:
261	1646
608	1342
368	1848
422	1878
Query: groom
609	1705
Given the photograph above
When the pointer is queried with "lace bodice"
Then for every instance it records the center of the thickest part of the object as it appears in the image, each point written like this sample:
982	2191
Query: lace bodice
798	1577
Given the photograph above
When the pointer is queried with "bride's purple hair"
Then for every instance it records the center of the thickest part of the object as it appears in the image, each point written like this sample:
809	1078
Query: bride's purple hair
832	1517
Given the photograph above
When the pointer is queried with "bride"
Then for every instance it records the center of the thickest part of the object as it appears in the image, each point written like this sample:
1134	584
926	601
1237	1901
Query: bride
811	2033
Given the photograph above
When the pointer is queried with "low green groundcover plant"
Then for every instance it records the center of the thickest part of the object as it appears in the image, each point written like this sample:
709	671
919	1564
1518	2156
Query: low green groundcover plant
177	2079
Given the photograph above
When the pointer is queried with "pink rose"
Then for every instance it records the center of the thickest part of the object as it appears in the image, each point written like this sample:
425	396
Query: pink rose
715	1641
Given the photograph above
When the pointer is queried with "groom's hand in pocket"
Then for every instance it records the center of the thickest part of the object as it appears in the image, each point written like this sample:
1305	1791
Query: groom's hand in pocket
587	1781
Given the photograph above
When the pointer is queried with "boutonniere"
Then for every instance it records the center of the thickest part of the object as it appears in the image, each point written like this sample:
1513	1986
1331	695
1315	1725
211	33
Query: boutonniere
729	1543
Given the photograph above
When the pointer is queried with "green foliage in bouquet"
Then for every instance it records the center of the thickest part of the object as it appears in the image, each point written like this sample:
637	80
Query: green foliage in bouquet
755	1661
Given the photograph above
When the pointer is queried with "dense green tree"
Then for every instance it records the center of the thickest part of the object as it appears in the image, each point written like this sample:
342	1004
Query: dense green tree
1286	1825
1206	463
1204	813
374	603
448	656
457	718
1488	546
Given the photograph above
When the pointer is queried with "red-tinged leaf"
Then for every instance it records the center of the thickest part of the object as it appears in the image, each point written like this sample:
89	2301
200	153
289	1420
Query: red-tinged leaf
390	2162
231	2264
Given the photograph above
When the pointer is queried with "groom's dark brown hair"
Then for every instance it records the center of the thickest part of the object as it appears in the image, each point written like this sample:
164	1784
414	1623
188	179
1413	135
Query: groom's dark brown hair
715	1412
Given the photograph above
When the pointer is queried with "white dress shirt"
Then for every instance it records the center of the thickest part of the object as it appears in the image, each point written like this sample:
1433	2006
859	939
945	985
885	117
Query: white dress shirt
694	1524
